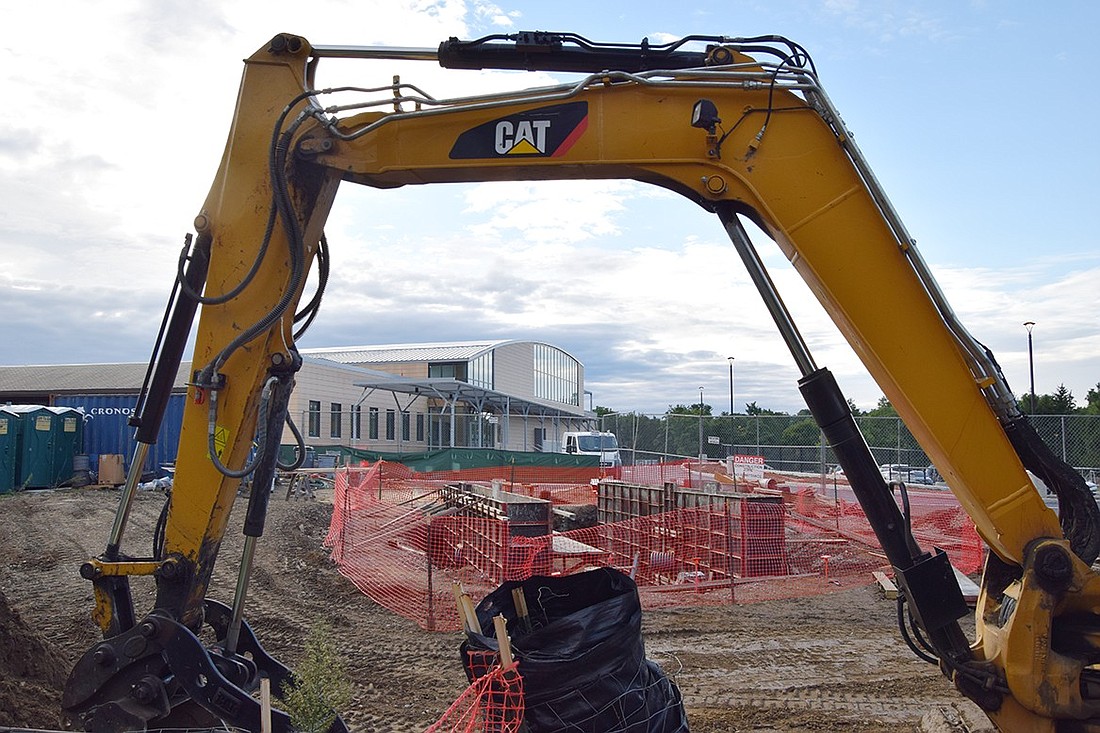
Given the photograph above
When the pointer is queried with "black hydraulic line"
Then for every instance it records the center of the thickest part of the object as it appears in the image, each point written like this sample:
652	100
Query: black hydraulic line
263	478
1078	512
299	447
906	515
283	206
239	287
161	527
903	627
309	312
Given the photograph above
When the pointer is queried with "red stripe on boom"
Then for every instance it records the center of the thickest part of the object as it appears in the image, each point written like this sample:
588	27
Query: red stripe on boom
574	136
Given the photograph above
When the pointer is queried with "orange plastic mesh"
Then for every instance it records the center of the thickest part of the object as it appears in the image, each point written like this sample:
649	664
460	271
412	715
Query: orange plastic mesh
793	535
493	703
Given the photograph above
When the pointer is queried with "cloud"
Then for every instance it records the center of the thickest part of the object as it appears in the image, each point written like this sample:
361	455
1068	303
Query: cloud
534	209
491	13
884	22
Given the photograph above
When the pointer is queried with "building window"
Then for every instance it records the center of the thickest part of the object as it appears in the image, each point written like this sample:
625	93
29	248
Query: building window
313	419
356	422
448	370
557	375
481	371
372	423
335	416
406	426
391	424
420	427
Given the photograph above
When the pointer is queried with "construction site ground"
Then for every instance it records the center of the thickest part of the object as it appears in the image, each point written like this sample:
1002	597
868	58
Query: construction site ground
824	663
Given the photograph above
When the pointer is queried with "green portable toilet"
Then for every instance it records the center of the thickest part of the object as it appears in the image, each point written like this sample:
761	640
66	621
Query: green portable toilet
9	449
49	439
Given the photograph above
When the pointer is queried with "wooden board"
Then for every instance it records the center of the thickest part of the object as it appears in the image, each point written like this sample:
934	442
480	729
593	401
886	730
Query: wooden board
888	588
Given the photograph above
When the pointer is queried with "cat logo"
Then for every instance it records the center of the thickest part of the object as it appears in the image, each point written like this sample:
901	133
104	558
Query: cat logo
546	132
525	137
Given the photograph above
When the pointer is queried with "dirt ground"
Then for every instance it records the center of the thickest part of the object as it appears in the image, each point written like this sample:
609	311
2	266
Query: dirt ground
825	663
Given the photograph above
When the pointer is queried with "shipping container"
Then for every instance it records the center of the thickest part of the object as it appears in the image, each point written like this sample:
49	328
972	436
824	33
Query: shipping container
107	429
49	437
10	425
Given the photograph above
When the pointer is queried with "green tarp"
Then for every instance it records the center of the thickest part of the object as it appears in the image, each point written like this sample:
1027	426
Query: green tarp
451	459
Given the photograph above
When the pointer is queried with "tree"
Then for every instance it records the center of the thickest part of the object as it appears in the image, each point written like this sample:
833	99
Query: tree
699	408
1092	399
601	411
753	409
1063	402
880	425
803	432
320	687
883	409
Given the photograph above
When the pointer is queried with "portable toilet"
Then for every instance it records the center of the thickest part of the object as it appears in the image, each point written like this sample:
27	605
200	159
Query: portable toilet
9	449
50	437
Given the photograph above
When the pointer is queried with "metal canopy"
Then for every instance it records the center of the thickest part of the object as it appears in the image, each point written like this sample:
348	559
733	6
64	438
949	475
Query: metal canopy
485	400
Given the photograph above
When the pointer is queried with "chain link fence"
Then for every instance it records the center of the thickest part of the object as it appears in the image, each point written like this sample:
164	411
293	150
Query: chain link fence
794	443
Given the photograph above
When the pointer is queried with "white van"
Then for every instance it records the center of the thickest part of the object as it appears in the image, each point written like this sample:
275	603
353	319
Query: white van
593	443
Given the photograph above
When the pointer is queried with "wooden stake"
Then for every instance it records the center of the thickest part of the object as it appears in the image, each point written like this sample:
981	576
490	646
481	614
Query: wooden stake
519	601
465	609
456	589
265	705
503	642
471	614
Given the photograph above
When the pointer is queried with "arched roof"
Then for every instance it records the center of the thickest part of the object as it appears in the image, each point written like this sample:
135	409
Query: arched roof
398	353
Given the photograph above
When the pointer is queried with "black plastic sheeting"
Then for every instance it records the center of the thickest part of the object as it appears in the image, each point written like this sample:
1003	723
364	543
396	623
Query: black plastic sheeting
582	659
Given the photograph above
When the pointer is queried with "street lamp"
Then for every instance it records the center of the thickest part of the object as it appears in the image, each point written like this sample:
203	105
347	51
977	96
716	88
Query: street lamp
1031	362
733	426
700	424
731	385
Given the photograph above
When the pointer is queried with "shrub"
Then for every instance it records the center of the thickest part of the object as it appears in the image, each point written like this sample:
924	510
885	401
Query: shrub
320	686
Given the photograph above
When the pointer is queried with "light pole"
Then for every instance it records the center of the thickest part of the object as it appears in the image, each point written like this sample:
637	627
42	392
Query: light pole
731	384
700	424
1031	362
733	426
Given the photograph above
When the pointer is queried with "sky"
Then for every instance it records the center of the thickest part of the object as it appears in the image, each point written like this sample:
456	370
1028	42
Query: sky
971	114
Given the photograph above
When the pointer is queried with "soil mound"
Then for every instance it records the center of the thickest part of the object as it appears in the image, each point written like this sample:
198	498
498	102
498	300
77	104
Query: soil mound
32	673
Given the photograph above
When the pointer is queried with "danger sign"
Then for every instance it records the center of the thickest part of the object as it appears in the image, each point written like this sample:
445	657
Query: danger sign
748	468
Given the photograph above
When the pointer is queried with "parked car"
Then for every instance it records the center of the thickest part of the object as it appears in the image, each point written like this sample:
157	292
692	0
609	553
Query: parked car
909	474
921	476
894	471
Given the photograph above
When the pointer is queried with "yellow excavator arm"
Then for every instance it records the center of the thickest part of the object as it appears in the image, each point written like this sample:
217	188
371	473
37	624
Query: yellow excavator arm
742	128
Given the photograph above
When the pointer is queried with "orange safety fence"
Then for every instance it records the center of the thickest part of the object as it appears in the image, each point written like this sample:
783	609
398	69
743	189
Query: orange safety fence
405	541
493	703
387	471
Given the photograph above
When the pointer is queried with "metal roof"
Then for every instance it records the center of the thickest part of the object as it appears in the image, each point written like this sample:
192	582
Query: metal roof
81	378
397	353
92	378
